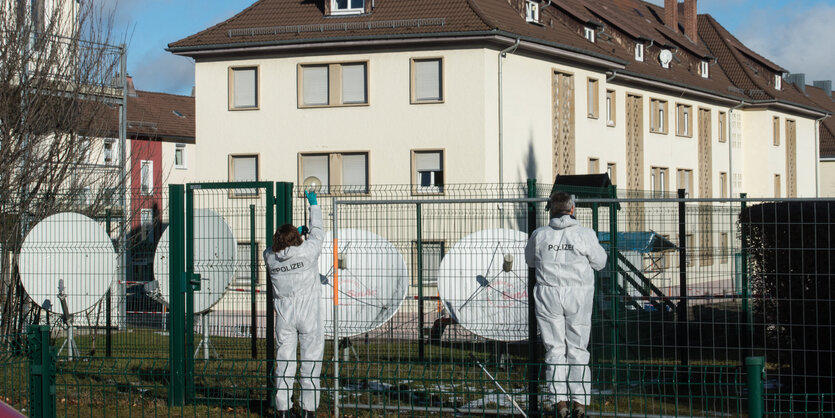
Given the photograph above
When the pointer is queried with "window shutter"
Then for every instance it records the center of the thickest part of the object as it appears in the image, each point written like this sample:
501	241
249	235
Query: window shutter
244	169
353	83
315	82
428	161
354	178
245	88
316	166
428	80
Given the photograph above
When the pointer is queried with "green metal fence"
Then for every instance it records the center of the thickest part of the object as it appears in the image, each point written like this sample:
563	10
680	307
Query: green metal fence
680	312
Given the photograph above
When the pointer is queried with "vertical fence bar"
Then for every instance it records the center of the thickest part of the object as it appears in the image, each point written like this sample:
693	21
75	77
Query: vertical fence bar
747	339
613	283
335	310
533	347
283	202
419	218
189	291
107	319
683	333
176	269
41	372
270	308
253	282
754	368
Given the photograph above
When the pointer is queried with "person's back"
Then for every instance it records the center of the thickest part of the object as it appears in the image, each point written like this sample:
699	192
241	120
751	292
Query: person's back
564	253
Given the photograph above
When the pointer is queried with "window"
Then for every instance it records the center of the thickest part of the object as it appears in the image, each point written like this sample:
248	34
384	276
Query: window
333	85
243	88
658	180
147	224
705	69
594	166
347	6
612	171
428	171
146	177
776	185
776	130
427	80
724	248
723	184
610	108
592	94
723	123
180	156
85	146
778	81
639	52
335	172
658	116
243	168
107	152
588	33
433	253
684	180
691	248
243	270
532	12
684	121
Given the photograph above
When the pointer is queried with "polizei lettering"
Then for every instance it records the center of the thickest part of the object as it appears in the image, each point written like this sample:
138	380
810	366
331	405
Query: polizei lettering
285	269
561	247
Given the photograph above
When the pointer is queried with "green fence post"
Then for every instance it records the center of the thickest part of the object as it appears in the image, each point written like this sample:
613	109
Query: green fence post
41	372
533	347
613	282
747	329
176	272
107	319
282	200
755	369
681	314
253	282
419	231
189	292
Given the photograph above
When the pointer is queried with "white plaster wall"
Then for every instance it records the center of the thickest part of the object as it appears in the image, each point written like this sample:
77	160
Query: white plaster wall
827	178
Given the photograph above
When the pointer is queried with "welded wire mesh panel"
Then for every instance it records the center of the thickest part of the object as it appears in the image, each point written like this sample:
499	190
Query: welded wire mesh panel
14	376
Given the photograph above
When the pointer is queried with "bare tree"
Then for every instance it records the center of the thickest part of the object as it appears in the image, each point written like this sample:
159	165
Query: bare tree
61	84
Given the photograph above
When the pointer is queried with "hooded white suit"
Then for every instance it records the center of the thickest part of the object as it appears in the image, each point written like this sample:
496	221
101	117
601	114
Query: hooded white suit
564	254
294	276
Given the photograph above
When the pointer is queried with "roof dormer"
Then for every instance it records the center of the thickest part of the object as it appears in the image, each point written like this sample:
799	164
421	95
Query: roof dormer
345	7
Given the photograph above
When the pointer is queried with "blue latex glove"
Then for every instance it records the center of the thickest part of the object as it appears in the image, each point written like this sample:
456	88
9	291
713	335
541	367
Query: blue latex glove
311	198
303	230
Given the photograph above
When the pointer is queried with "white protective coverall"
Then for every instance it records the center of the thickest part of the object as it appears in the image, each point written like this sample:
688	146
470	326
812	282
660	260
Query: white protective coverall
294	275
564	254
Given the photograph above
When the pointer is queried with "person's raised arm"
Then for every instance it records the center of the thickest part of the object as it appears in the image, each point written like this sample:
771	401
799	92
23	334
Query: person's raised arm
317	232
596	253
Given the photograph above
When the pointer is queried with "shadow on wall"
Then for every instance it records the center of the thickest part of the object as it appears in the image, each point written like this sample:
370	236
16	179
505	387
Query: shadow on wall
530	169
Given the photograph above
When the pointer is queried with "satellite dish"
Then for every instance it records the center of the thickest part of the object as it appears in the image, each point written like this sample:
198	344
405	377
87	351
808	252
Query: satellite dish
665	57
483	284
373	280
312	184
215	260
72	250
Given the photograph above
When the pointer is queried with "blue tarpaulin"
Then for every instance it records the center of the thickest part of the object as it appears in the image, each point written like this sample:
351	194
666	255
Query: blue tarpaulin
640	242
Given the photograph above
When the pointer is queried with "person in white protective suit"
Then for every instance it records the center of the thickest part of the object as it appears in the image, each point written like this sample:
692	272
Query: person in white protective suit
293	267
563	254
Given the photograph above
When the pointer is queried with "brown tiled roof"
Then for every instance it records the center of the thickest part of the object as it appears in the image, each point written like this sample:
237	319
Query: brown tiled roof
151	116
827	129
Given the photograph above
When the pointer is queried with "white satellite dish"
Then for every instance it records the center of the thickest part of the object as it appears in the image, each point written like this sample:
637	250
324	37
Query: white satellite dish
665	57
70	248
483	284
215	259
373	280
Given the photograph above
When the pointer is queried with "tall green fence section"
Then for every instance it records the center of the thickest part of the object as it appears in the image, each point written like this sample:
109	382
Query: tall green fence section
681	322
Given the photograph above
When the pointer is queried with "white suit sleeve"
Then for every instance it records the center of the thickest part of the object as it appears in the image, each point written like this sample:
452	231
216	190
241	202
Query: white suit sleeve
317	233
530	250
596	253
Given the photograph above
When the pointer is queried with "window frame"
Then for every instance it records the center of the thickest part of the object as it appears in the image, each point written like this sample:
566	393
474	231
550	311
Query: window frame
658	183
723	127
723	184
443	250
236	279
704	69
413	80
612	171
150	188
532	11
778	189
231	87
111	145
336	186
775	128
589	34
658	121
685	174
684	120
778	81
146	228
335	84
593	165
611	108
349	11
243	193
593	98
417	189
639	52
182	149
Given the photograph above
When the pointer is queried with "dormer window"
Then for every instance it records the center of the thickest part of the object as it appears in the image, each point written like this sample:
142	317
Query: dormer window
532	12
705	68
639	52
778	82
588	33
344	7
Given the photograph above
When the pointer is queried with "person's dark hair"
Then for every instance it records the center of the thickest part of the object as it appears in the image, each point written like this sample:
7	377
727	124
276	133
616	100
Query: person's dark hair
561	204
286	236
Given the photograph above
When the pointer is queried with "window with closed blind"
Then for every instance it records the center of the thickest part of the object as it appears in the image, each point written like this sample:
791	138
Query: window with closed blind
323	85
334	173
243	168
427	80
427	171
243	88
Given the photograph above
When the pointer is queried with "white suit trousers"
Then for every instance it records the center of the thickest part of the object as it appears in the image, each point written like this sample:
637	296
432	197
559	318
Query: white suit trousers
564	316
298	315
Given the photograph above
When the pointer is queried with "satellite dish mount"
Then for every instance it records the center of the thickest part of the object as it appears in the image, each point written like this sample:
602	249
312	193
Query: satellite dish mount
67	317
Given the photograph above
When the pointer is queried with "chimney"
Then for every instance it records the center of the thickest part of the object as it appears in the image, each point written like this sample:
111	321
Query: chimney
825	85
690	23
798	80
671	14
131	88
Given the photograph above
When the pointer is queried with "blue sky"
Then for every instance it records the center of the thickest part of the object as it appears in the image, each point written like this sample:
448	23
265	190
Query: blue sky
796	34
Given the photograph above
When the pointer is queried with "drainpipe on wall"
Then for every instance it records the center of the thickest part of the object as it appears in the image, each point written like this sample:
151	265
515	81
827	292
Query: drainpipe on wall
818	155
502	54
